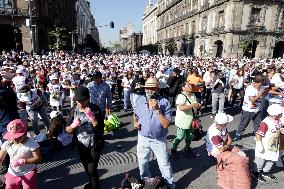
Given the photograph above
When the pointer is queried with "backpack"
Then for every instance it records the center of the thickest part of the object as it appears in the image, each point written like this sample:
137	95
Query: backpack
129	182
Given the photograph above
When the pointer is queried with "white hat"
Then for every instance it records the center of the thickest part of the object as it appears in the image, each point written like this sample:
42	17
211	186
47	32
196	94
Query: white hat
274	109
54	114
20	71
222	118
53	76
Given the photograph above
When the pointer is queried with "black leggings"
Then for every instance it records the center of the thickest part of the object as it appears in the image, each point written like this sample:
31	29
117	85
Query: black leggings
90	160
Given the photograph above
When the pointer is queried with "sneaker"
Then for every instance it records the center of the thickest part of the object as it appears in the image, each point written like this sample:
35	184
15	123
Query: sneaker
268	175
258	176
212	116
237	137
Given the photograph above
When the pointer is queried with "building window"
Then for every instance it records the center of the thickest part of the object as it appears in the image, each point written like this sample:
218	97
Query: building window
5	3
186	28
255	17
204	24
221	19
193	27
282	21
194	4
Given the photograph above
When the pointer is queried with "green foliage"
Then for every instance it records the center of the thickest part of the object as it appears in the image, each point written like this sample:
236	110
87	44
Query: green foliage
152	48
58	38
171	46
244	46
160	48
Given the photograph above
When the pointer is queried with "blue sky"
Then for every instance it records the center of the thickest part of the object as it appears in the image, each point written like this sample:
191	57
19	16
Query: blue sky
122	12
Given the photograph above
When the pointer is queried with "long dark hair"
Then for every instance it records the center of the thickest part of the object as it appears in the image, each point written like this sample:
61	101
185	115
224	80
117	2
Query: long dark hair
57	126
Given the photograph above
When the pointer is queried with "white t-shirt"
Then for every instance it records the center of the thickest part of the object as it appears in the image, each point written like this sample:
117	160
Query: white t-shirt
126	83
214	139
16	151
247	105
162	80
277	81
19	82
269	129
238	82
55	94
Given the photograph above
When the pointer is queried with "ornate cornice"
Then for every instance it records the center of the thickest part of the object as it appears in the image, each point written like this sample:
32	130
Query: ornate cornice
192	13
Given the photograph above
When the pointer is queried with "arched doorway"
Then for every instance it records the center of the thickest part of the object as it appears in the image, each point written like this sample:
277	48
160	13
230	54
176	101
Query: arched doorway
219	48
251	49
7	37
278	50
18	38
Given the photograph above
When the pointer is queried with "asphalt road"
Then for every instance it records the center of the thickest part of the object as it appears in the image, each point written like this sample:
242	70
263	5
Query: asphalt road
63	170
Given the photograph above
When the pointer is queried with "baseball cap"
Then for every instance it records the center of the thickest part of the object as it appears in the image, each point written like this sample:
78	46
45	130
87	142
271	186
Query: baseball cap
81	93
274	109
222	118
151	83
15	129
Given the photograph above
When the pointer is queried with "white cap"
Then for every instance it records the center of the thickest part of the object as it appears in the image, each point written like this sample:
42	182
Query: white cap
20	71
53	114
53	76
274	109
222	118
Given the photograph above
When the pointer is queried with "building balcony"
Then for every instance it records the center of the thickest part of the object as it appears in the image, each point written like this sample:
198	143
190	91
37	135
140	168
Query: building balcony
204	7
256	28
202	33
218	30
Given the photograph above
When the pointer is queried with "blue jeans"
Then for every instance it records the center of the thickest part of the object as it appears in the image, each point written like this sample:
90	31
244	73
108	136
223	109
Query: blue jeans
144	147
126	99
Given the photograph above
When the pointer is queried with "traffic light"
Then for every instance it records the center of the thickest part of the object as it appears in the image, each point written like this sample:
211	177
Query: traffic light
111	24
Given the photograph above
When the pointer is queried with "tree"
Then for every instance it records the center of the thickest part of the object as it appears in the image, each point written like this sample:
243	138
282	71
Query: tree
92	43
160	48
152	48
58	38
171	46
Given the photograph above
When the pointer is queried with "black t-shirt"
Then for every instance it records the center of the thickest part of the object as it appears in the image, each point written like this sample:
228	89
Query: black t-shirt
86	134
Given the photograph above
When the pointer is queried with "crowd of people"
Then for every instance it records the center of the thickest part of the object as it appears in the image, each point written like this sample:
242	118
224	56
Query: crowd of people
150	86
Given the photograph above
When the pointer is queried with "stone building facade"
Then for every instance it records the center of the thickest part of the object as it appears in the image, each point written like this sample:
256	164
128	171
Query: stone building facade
150	24
223	28
15	33
134	41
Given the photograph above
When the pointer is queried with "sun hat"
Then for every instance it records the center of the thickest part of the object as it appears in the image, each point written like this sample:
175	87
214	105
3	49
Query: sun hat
151	83
81	93
15	129
222	118
274	109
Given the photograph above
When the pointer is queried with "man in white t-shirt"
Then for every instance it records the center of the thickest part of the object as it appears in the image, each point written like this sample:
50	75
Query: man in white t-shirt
252	105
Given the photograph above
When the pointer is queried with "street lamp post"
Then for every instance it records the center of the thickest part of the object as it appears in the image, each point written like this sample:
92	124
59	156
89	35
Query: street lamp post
31	25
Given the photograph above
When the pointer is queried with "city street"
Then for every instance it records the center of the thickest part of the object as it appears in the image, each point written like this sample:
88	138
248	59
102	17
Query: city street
64	170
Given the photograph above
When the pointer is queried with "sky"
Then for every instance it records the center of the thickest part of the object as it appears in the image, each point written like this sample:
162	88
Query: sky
122	12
